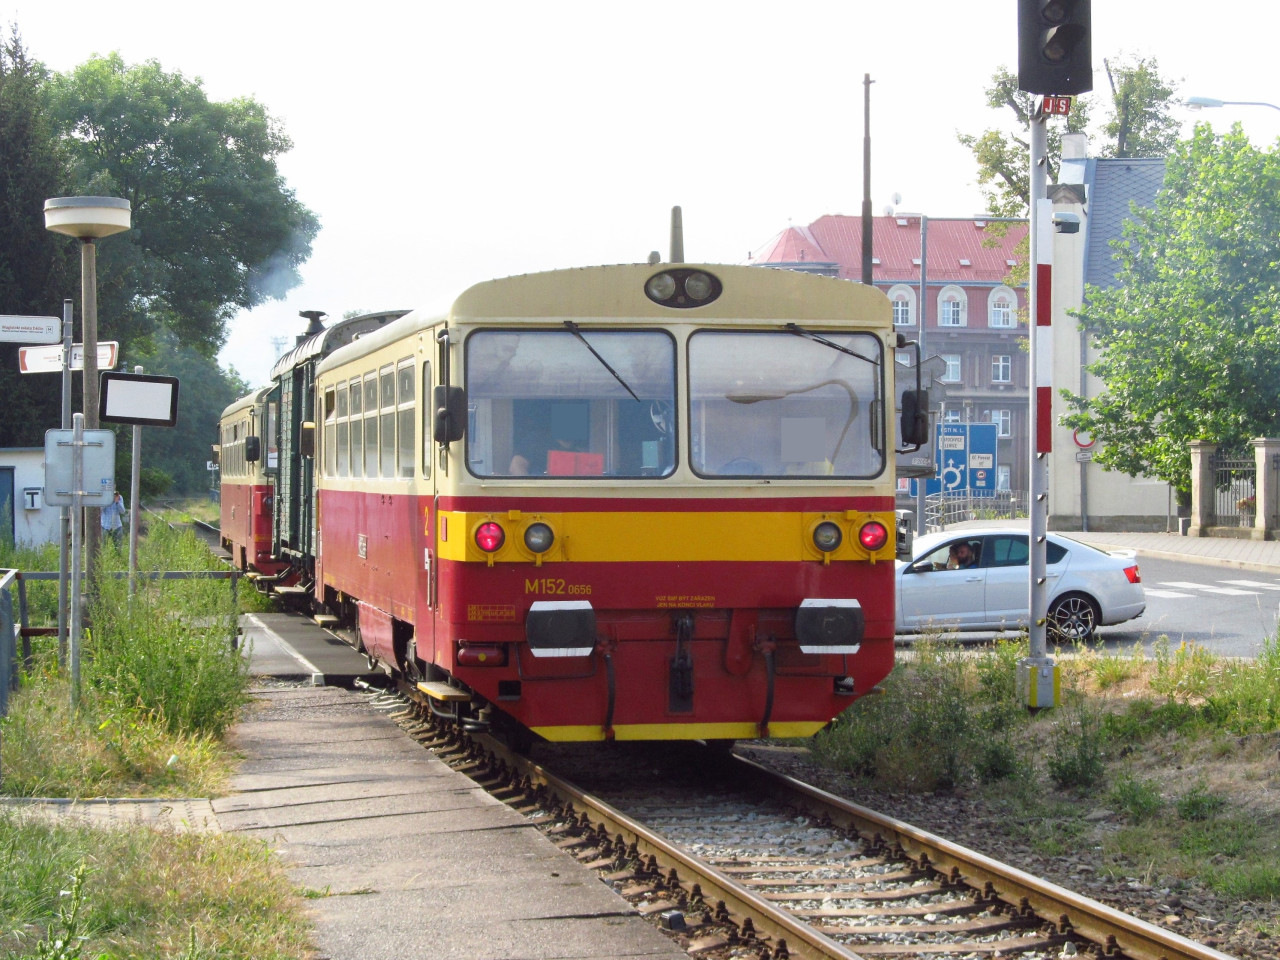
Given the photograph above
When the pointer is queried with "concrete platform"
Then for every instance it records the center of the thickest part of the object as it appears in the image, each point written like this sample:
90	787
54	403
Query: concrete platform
414	859
289	646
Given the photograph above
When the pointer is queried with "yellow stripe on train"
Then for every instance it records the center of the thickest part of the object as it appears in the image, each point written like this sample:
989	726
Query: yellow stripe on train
681	731
676	536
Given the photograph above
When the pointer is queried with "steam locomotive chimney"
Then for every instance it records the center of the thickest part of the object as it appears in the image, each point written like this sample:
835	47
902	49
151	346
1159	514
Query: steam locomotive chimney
314	326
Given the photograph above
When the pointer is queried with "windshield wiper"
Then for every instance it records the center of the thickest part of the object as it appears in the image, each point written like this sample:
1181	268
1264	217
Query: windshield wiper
800	331
573	328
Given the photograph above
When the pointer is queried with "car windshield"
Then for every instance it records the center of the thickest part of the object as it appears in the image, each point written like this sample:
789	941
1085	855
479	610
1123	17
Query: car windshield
782	404
569	402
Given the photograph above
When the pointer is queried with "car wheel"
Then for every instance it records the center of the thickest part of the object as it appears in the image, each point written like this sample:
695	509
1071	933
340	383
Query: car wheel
1074	618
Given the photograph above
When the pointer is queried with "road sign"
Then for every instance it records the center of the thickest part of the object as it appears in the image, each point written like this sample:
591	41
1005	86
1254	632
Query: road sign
1056	106
965	457
49	359
30	329
99	486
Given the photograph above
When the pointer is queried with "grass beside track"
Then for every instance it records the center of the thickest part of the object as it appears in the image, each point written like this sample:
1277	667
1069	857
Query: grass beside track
160	685
1179	749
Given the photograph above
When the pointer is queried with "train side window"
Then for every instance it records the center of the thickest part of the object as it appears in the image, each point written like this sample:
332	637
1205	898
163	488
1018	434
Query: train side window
371	425
343	455
387	418
357	429
404	419
329	455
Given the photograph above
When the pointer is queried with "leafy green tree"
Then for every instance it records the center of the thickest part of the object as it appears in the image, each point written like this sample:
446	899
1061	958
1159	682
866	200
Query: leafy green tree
215	228
1140	123
1189	338
1003	156
38	269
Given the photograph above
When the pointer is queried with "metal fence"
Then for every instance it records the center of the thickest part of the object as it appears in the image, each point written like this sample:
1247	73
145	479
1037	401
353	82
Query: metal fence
942	509
1234	488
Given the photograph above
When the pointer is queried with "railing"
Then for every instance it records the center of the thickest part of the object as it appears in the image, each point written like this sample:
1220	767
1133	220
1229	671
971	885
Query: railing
1234	488
942	509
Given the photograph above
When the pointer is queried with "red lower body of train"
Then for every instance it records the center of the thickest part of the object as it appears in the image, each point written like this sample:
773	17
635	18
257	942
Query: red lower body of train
245	522
647	619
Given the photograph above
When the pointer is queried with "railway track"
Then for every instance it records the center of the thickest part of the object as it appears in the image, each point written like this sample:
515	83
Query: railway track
735	860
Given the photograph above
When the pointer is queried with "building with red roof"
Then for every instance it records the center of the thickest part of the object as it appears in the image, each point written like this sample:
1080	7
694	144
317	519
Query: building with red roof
949	282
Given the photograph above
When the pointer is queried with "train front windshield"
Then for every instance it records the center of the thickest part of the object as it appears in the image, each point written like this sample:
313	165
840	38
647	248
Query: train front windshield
557	403
784	404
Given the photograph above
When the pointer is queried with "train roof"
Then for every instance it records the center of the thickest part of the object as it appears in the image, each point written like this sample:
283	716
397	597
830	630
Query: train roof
608	292
248	400
332	337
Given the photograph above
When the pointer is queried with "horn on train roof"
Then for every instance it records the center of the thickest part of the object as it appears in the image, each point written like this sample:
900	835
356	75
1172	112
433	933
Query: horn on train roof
677	236
314	325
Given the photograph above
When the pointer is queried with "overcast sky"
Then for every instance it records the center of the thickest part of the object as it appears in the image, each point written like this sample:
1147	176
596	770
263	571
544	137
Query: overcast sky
446	144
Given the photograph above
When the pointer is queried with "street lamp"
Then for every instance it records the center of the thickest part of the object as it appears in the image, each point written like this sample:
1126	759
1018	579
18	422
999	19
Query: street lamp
1201	103
87	219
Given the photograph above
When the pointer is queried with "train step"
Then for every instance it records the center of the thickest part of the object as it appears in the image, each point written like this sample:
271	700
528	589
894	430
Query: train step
324	619
438	690
293	591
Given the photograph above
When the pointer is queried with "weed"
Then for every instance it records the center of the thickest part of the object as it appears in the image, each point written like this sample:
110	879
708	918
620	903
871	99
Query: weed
1199	804
1077	760
1140	799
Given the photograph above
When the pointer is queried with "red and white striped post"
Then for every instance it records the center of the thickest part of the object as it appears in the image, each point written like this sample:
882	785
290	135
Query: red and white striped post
1038	678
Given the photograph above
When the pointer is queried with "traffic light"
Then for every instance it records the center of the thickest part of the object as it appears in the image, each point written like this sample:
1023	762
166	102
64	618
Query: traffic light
1054	52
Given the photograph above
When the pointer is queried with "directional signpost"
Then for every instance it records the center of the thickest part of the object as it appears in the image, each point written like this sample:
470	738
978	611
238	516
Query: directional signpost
49	359
965	456
30	329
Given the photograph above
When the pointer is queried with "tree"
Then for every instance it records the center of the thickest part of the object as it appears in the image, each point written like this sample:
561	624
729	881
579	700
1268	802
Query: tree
1003	156
1189	339
38	269
215	228
1140	124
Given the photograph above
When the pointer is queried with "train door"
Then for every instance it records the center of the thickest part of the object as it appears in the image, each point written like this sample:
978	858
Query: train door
428	594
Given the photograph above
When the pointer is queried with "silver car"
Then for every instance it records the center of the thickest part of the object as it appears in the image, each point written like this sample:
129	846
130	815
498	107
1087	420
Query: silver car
976	579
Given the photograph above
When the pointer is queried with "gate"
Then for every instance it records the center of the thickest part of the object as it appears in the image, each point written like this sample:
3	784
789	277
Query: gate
1234	488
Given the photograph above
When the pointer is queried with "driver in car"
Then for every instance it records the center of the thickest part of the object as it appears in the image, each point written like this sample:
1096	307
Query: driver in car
961	556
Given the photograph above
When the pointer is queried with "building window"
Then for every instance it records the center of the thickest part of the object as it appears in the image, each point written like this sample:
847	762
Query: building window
903	299
951	416
903	357
1002	369
1003	419
952	373
951	307
1002	476
1002	308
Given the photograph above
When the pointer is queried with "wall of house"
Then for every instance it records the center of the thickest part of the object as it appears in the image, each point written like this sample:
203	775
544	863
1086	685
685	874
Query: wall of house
34	523
1111	501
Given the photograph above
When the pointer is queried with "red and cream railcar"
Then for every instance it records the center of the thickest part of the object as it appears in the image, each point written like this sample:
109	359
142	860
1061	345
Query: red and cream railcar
247	460
631	502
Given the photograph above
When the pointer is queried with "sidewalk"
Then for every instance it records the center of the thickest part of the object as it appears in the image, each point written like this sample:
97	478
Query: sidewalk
1262	556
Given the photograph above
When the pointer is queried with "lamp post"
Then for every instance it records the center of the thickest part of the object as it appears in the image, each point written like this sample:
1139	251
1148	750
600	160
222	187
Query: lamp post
87	219
1201	103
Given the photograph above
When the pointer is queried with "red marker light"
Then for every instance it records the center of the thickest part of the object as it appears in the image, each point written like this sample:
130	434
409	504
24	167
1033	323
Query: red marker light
873	535
490	536
1133	574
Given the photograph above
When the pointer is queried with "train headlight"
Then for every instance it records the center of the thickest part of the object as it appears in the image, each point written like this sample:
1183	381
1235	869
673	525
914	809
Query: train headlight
661	287
827	536
698	286
539	537
873	535
490	536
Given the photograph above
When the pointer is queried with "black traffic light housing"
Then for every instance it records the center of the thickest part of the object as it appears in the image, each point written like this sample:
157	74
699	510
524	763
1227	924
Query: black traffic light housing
1054	51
